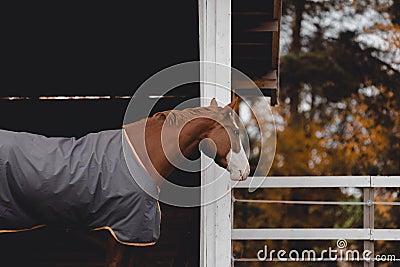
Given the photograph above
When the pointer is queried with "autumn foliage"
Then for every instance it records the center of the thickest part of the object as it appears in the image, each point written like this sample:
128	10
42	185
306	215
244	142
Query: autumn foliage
339	114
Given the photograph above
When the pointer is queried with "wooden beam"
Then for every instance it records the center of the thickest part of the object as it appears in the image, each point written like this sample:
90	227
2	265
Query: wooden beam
251	44
369	216
215	46
301	234
275	63
251	13
276	35
271	75
268	26
267	92
304	182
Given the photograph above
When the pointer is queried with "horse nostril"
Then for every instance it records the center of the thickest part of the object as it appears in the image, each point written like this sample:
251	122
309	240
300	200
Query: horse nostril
241	175
246	172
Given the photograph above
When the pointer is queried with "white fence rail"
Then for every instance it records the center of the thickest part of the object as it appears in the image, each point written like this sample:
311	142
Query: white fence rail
368	233
316	234
319	181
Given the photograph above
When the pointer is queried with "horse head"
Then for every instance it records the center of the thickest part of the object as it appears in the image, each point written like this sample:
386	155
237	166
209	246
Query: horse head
173	135
222	142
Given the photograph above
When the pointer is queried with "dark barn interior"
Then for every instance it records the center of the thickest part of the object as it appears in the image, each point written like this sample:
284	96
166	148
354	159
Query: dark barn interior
59	49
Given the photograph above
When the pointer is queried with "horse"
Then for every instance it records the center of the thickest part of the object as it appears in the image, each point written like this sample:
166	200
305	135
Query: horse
212	128
87	183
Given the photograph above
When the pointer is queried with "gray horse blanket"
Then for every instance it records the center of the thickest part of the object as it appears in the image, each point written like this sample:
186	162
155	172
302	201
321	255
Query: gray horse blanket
72	182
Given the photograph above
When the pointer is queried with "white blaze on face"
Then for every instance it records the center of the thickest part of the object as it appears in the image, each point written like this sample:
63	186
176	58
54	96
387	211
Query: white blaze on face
238	165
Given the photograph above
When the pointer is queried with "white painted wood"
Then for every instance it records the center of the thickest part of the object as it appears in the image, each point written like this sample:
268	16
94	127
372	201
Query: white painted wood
386	234
369	217
368	234
301	234
215	46
316	234
306	181
385	181
321	181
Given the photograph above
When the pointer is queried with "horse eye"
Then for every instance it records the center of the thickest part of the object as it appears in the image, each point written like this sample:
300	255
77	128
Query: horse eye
236	132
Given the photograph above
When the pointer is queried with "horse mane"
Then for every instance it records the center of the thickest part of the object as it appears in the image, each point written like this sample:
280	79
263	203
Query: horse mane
180	117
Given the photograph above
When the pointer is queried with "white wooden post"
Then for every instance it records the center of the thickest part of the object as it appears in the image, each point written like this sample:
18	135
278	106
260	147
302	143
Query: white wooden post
215	46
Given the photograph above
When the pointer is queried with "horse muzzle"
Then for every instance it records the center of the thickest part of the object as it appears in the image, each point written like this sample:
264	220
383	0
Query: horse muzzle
240	175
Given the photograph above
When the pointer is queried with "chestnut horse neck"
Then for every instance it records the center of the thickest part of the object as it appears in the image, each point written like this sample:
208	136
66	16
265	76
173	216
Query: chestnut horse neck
159	139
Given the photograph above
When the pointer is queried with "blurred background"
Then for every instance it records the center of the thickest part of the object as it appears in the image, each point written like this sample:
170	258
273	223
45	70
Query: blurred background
338	114
70	69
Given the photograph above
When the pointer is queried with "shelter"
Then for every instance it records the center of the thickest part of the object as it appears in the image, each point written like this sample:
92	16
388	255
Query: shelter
72	70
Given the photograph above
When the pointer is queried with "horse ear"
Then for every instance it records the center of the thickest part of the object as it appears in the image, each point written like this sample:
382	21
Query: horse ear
213	103
234	102
227	111
162	115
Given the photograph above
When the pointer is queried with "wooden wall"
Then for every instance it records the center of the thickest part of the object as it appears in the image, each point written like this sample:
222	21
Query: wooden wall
63	49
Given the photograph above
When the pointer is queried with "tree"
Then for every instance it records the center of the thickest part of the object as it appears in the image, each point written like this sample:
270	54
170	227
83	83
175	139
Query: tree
339	114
